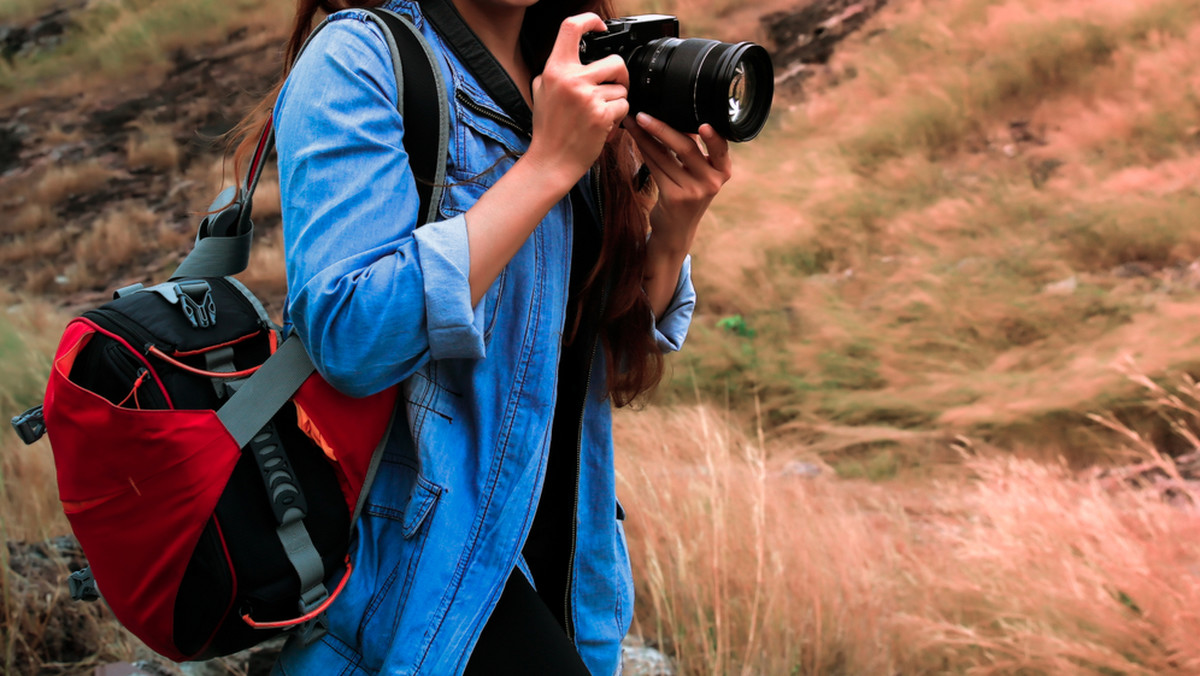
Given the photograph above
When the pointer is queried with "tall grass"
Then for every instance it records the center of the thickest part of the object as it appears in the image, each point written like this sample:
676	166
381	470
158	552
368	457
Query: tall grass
29	508
746	566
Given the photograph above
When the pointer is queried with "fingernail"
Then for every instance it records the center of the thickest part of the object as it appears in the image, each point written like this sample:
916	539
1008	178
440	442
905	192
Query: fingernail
644	119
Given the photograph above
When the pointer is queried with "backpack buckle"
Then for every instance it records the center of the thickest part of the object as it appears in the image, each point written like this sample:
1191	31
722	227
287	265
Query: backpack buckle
83	585
30	425
195	298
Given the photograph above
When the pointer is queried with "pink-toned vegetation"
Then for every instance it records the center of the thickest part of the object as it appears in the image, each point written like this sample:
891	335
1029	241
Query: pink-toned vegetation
1001	566
925	284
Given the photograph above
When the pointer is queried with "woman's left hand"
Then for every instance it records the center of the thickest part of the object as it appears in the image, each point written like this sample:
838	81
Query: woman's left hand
689	172
687	176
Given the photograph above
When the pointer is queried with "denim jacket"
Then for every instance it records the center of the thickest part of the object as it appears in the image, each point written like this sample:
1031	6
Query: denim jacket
377	302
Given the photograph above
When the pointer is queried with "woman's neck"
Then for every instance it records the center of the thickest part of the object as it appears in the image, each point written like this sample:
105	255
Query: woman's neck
499	29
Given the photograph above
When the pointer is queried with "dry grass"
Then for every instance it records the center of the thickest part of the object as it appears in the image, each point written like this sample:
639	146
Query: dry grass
61	183
980	198
744	566
29	331
153	147
118	237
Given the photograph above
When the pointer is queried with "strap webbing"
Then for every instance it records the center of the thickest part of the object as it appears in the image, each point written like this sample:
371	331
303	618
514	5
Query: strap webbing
264	393
305	558
223	240
426	136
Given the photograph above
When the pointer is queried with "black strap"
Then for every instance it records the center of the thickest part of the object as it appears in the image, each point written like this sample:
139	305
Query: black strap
421	117
224	237
488	71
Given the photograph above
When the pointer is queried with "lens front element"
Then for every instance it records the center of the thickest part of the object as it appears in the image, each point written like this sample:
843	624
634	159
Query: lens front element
741	93
686	83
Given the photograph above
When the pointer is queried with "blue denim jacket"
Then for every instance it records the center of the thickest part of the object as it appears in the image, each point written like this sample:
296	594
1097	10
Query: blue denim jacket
378	302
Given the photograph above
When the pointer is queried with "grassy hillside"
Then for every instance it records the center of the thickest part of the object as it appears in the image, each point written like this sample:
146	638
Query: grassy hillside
955	278
975	211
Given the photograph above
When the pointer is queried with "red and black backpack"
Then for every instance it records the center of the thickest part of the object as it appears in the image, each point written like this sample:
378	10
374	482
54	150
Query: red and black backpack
211	477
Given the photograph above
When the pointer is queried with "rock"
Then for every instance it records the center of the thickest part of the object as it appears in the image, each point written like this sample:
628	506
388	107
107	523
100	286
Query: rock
12	140
57	630
1134	269
42	33
120	669
1064	287
804	470
639	659
808	35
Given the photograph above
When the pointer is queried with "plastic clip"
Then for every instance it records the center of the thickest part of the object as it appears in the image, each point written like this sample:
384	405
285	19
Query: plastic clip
195	298
83	585
30	425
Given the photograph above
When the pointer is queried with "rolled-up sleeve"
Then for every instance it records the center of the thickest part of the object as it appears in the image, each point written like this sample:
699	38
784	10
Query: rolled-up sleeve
671	329
370	296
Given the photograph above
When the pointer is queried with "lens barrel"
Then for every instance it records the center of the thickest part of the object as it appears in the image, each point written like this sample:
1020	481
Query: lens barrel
689	82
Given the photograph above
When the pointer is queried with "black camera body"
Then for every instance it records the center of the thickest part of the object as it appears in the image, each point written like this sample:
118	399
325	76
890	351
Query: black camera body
626	34
688	82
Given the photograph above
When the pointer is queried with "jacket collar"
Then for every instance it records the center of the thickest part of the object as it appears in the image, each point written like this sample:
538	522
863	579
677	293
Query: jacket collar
489	73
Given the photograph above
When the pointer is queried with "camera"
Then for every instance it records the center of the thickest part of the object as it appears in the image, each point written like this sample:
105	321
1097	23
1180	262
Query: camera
688	82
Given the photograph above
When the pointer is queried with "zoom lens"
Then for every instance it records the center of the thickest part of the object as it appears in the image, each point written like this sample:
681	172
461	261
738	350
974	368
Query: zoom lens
687	83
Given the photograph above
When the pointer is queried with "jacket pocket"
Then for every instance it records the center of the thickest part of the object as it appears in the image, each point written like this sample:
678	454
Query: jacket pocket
395	518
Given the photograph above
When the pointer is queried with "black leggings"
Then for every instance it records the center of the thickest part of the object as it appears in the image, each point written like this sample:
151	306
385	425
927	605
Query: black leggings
522	637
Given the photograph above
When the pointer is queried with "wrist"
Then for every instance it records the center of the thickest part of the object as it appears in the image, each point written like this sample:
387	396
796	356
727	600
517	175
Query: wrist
665	254
556	175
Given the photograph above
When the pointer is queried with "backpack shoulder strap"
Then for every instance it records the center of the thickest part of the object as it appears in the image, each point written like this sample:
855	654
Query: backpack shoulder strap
426	126
224	237
250	409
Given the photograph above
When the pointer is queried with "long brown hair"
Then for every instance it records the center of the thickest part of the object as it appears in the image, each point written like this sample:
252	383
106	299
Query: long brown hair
634	363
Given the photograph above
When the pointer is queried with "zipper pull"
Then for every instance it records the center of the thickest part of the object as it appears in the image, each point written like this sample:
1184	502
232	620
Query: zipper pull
141	378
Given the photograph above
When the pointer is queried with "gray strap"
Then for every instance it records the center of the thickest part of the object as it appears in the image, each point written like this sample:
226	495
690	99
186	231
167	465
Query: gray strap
217	257
443	114
265	392
303	555
373	468
254	302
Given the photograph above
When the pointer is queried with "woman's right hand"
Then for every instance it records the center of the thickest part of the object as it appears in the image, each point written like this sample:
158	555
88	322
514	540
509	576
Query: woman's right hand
576	106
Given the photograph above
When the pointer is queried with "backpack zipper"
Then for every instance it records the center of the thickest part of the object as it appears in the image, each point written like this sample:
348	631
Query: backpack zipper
116	320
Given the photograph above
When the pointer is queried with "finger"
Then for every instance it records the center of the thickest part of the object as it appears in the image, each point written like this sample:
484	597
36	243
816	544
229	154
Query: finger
686	148
681	144
611	92
616	110
718	150
611	68
570	33
662	162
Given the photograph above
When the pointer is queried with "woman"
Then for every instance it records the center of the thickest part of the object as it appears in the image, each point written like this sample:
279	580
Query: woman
491	538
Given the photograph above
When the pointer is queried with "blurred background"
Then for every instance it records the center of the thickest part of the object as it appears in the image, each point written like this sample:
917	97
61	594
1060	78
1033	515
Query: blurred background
936	413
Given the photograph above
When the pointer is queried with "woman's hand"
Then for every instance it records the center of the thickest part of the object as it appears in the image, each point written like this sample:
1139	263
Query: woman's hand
575	106
689	175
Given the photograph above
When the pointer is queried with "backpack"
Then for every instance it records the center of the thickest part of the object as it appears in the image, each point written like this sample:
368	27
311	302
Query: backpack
211	477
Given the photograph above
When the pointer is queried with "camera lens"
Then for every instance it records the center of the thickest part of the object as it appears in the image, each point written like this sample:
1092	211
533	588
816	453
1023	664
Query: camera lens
686	83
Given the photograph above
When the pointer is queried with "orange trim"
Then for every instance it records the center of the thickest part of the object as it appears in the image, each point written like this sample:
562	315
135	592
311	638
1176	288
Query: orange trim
75	506
64	363
316	612
210	348
306	425
200	372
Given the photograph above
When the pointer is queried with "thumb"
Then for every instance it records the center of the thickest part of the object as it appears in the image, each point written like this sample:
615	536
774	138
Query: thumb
570	33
